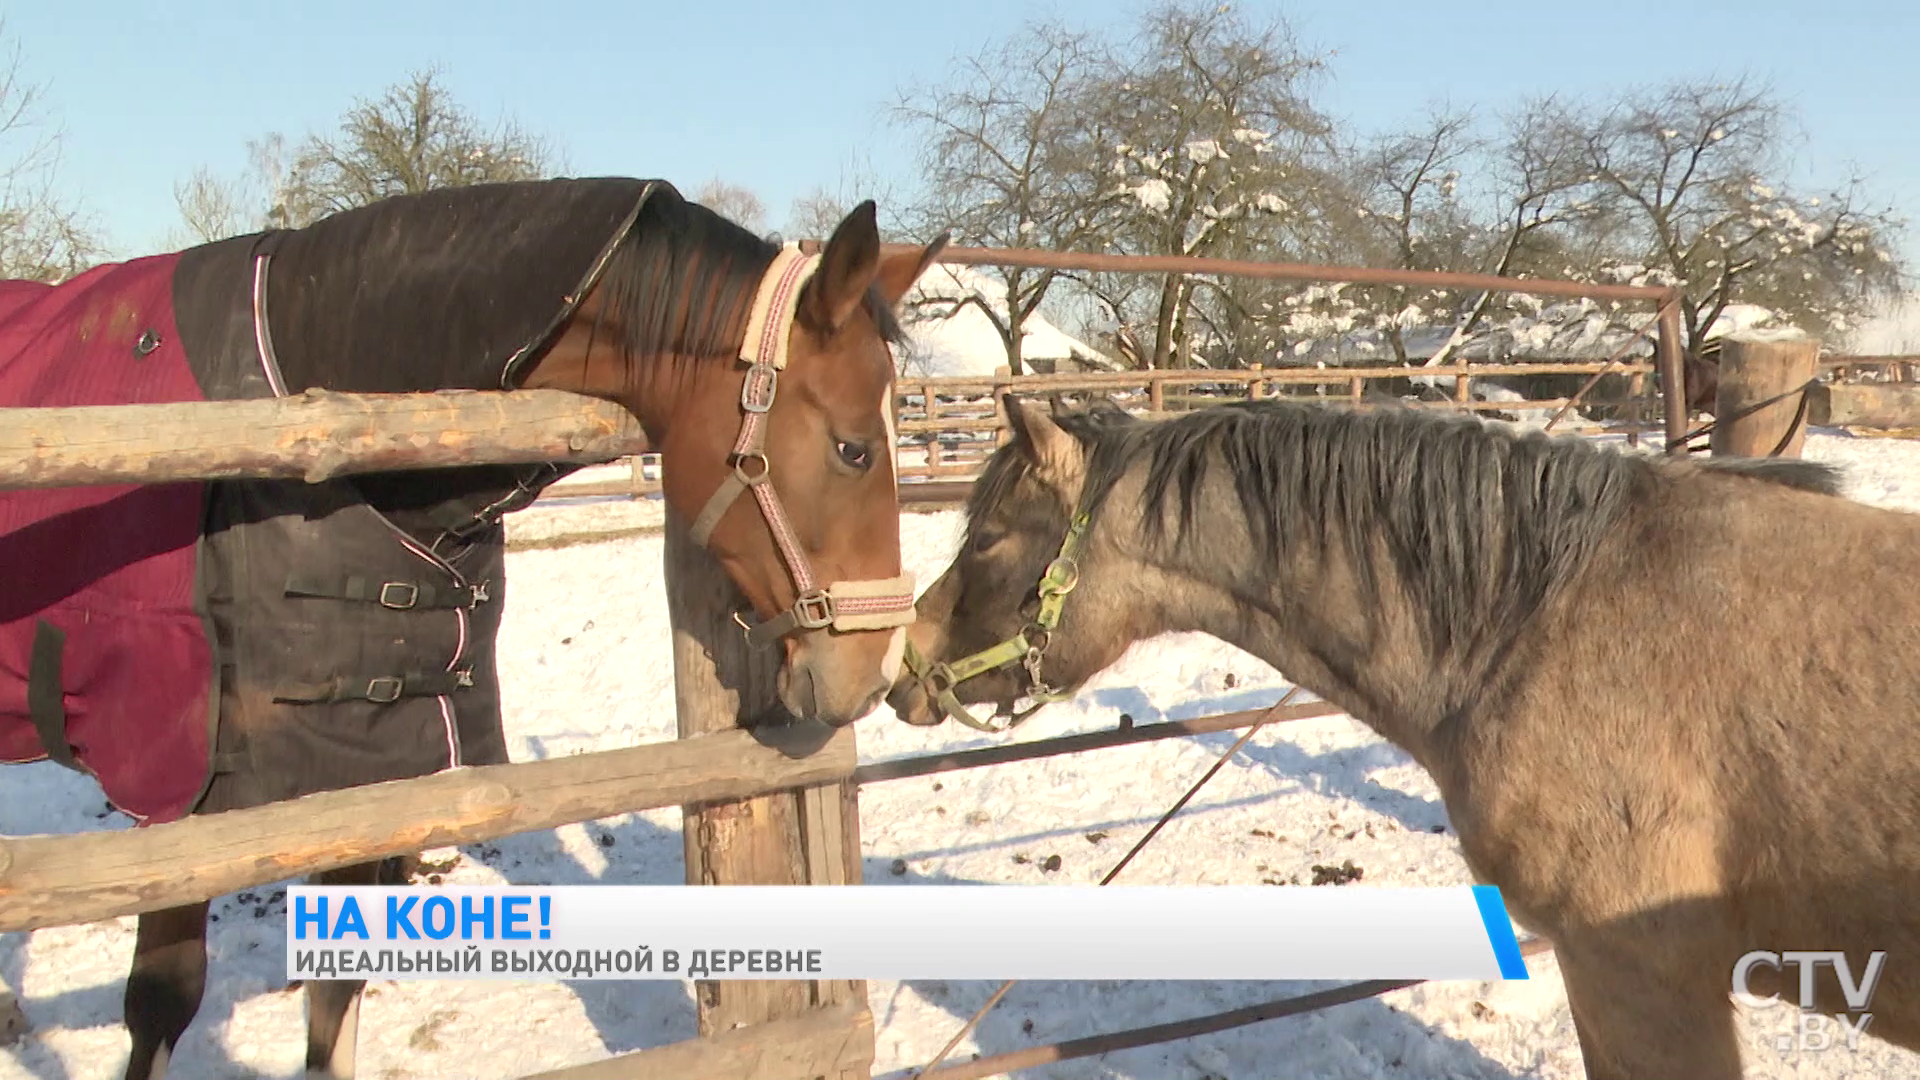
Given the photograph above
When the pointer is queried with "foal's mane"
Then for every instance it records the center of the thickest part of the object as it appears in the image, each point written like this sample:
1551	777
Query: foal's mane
1482	525
684	280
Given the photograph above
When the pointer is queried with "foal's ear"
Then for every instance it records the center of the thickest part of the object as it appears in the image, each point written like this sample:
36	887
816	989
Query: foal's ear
899	272
1057	457
847	267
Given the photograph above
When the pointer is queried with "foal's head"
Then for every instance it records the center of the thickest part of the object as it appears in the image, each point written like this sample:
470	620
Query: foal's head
1027	560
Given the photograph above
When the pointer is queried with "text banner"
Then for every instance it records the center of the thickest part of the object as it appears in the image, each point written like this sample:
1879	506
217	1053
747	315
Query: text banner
895	933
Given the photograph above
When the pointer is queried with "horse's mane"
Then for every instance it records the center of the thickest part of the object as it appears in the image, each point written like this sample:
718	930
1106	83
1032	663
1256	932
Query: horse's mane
714	267
1481	525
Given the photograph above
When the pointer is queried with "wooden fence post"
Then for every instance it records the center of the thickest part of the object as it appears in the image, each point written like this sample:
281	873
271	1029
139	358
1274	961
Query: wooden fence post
808	836
1754	367
1673	377
1002	423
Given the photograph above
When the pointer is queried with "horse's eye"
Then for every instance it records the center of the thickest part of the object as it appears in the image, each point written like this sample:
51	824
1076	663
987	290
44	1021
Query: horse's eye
985	539
854	454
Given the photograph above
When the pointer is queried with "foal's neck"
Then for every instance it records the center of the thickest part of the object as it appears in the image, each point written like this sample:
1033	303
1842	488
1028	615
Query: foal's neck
1353	630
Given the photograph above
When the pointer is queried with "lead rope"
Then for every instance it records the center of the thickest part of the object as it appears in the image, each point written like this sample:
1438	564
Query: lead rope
1121	865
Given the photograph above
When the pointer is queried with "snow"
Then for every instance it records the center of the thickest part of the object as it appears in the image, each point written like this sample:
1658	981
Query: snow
1154	194
966	341
1744	320
584	667
1201	151
1892	328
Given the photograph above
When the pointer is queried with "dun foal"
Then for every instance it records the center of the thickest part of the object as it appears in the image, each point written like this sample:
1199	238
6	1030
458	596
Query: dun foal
1529	619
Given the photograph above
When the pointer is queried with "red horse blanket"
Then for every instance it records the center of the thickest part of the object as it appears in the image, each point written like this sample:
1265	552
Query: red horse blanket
104	660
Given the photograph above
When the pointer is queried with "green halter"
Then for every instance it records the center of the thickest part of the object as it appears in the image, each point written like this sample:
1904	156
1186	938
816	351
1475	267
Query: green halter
1024	648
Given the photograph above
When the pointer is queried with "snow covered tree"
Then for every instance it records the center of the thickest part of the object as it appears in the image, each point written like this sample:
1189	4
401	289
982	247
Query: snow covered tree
1443	194
1210	145
1692	187
1681	184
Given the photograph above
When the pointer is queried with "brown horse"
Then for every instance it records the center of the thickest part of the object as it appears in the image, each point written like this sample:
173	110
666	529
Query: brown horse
1521	615
284	638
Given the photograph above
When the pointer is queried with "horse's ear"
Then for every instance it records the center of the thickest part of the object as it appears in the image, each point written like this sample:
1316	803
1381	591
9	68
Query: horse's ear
847	268
899	272
1057	457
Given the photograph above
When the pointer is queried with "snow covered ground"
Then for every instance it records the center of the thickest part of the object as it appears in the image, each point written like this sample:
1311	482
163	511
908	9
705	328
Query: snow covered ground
585	668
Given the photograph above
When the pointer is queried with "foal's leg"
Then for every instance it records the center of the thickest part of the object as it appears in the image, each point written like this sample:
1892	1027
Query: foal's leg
333	1005
1650	1014
164	988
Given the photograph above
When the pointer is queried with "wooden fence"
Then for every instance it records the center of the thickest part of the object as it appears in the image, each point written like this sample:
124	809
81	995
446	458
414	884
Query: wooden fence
948	425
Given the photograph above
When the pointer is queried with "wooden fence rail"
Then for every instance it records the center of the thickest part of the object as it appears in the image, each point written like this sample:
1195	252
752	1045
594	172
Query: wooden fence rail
67	879
830	1041
315	435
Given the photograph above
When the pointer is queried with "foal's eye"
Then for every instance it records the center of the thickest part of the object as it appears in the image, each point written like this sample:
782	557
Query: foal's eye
854	454
985	539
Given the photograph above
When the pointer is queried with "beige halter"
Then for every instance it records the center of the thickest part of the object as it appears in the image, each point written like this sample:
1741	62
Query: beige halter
843	605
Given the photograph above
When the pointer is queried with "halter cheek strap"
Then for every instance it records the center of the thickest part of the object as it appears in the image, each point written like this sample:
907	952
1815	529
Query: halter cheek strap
842	605
1025	648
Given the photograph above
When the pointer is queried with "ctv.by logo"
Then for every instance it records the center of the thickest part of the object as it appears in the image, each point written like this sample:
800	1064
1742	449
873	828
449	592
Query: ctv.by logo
1812	1033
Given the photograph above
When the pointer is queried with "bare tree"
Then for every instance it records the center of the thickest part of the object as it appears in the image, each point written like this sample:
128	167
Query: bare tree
733	202
1442	195
210	207
413	138
1407	211
42	236
214	208
815	214
1008	150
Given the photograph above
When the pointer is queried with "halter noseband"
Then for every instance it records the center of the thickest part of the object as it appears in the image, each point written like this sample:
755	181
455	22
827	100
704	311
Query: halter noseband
1025	648
843	605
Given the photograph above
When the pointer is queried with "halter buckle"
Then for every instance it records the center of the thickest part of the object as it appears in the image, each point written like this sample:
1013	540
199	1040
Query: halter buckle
399	595
758	390
939	680
814	609
1062	575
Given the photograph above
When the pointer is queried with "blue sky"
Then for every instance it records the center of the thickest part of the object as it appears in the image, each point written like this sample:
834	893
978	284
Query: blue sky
780	96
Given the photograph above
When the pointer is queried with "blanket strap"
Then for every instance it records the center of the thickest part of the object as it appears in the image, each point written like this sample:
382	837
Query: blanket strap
398	595
379	689
46	699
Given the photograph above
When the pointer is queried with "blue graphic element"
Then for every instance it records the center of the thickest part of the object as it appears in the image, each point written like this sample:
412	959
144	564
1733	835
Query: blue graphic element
1506	947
